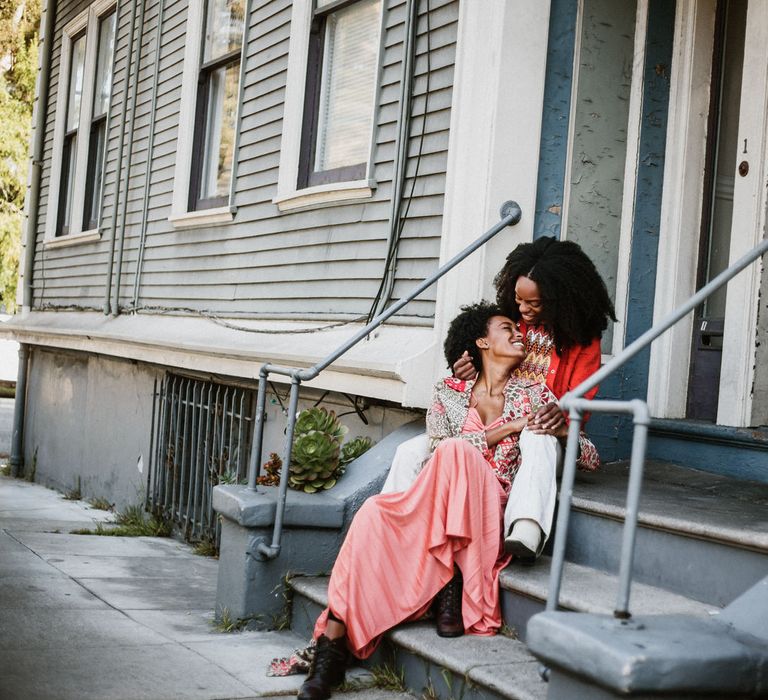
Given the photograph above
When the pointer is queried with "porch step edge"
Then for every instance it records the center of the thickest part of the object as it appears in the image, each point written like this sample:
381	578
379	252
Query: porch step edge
589	590
507	669
681	501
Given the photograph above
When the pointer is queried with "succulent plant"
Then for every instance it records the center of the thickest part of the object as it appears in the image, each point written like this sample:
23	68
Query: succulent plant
318	458
321	419
271	474
354	448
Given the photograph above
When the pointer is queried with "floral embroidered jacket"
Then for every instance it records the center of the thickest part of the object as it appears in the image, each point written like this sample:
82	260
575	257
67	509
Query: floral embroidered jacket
448	413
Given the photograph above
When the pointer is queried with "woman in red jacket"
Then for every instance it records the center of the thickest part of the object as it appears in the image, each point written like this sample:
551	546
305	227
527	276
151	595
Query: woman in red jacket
555	293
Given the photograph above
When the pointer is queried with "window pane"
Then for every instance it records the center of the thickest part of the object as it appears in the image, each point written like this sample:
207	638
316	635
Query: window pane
67	184
220	131
346	93
95	174
75	83
223	28
103	82
601	112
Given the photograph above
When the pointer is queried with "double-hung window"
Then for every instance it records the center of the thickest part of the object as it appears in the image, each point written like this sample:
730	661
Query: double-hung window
80	130
208	120
342	68
217	98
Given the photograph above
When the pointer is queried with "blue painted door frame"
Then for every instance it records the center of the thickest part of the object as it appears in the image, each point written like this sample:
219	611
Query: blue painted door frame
734	452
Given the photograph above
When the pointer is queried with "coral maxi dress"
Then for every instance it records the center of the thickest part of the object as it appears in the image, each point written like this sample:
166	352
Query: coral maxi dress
401	548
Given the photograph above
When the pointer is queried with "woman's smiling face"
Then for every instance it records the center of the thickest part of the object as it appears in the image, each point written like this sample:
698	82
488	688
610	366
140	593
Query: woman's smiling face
502	338
528	300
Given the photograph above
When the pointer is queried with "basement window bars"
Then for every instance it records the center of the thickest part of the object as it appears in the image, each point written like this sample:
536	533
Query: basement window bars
342	68
201	437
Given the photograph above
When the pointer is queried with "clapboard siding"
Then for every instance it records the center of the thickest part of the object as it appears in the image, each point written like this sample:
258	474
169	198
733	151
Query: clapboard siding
323	262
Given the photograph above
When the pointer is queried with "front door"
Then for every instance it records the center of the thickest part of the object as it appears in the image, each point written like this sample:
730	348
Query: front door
714	210
717	208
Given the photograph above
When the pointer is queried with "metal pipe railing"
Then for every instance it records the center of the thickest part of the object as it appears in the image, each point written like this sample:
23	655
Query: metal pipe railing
639	410
576	405
510	214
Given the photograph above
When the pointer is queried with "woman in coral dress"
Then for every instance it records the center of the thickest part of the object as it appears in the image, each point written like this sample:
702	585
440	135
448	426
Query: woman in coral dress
403	548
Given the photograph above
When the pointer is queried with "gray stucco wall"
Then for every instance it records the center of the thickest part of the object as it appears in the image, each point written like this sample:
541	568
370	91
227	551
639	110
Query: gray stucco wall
88	424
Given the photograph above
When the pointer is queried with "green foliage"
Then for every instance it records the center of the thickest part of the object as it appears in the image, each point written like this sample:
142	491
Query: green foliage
19	20
132	522
318	458
228	624
76	493
101	504
321	420
206	548
351	450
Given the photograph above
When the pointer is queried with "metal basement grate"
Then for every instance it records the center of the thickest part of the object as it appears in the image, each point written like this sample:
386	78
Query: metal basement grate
201	435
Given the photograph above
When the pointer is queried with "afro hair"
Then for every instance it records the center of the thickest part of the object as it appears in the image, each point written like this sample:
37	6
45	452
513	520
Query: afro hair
466	328
575	301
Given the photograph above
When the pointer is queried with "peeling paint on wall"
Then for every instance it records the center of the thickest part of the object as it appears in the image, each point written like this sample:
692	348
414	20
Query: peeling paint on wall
601	111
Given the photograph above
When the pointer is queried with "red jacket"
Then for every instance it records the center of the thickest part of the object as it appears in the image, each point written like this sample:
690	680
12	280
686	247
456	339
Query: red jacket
572	367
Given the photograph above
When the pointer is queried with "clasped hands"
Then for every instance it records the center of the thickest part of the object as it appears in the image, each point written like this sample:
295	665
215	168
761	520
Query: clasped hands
547	420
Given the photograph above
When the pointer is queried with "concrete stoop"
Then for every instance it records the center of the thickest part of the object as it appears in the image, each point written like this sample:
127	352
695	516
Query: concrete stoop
468	667
701	535
693	528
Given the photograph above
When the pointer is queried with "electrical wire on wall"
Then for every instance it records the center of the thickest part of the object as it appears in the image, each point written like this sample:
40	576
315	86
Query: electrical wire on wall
397	216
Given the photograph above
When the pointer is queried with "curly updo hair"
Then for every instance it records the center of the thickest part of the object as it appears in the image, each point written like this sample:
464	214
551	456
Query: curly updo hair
466	328
575	301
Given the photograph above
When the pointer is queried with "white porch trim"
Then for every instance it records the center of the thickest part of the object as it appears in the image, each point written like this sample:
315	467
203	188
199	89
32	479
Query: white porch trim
681	203
749	222
493	151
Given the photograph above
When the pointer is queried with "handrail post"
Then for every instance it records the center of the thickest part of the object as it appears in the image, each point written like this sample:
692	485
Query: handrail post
566	495
642	420
258	428
272	550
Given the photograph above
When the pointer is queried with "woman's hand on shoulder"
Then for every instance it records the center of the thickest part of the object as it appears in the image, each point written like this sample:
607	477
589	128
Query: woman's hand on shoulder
463	368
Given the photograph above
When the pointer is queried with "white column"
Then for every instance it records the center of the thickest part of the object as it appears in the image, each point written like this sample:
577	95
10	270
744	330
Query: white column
493	152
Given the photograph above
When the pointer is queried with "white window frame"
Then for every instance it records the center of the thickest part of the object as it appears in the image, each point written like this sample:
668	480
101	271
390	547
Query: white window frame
181	216
88	20
289	196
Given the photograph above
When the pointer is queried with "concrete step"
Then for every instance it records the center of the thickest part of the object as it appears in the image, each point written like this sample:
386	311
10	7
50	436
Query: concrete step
692	525
469	667
584	589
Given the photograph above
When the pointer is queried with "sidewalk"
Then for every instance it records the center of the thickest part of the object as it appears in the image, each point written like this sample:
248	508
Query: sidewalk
86	616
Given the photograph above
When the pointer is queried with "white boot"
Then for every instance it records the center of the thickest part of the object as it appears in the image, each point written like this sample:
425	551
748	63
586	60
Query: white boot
523	541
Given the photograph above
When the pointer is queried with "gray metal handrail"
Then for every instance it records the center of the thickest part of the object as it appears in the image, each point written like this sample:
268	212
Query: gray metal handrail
510	215
576	405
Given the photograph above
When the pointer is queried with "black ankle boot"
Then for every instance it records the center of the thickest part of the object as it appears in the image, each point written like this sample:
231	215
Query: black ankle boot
327	669
448	608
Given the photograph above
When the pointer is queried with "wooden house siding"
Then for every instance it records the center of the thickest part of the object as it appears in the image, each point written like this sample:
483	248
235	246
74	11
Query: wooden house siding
321	262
